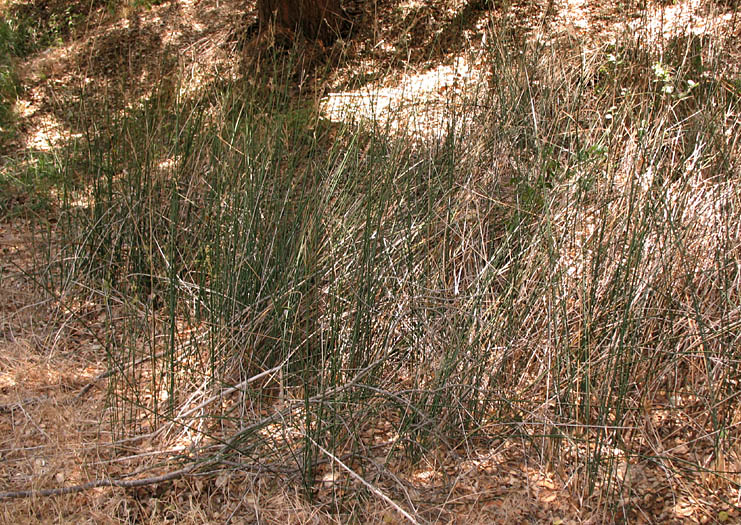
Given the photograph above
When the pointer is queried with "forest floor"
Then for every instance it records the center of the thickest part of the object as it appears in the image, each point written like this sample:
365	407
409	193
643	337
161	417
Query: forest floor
53	427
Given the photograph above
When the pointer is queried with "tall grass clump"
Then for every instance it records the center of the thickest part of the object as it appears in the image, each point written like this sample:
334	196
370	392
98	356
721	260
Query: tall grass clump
559	266
618	312
241	239
9	84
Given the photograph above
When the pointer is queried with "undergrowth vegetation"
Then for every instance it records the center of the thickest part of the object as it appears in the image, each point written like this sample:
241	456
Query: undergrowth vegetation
559	265
8	76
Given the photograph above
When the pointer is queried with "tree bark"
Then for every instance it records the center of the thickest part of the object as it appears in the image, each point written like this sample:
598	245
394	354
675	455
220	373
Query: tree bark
315	19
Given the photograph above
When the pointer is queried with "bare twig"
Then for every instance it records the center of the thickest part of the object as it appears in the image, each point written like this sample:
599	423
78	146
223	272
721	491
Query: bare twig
360	478
20	404
228	391
187	470
127	484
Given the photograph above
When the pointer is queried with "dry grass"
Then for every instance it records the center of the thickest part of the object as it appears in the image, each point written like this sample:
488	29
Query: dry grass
540	455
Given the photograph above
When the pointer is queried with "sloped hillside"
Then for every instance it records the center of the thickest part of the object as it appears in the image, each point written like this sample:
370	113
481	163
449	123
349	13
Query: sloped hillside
476	262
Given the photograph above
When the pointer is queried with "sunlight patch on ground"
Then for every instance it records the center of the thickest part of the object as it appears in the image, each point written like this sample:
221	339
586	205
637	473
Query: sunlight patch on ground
420	104
586	20
47	135
690	17
575	15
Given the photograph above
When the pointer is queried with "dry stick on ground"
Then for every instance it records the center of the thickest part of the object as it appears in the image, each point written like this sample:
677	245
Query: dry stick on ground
23	402
127	484
231	445
227	391
360	478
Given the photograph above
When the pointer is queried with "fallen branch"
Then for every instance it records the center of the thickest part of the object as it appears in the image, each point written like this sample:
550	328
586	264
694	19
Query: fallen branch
23	402
126	484
362	480
226	392
217	458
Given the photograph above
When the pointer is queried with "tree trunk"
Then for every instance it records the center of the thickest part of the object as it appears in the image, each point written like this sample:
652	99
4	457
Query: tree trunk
315	19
